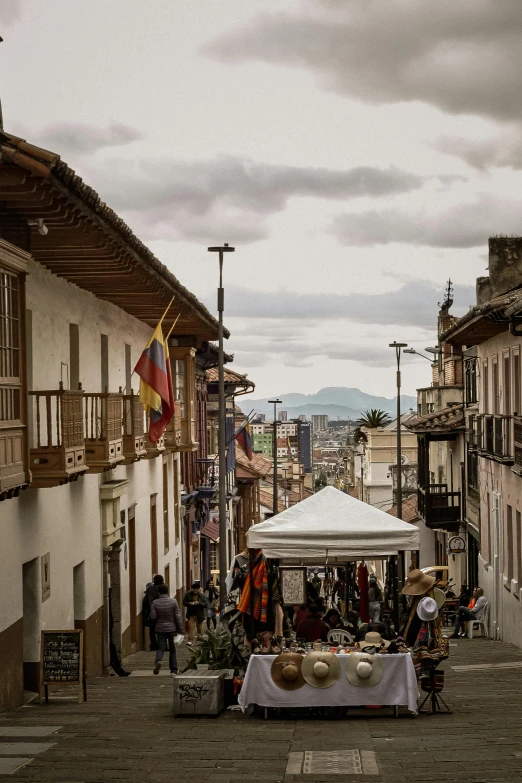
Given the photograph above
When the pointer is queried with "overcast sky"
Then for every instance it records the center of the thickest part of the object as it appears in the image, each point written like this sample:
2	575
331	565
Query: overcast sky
357	153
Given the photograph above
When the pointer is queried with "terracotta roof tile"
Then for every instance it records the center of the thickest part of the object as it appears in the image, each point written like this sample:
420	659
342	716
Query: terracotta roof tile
410	511
451	418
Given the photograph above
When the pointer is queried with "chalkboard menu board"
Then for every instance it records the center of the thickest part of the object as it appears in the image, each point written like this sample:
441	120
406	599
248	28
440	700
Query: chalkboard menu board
62	657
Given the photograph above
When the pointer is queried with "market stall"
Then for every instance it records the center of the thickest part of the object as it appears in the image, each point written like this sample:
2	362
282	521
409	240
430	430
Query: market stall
329	527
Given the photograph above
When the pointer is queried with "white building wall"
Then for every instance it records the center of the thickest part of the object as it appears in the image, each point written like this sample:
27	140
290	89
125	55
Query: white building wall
65	521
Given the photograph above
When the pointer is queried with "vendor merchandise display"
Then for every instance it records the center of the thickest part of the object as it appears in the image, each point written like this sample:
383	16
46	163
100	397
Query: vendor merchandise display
321	669
286	671
374	639
364	670
427	609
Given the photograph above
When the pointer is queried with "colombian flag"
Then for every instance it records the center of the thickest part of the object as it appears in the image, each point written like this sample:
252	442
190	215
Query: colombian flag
244	439
156	392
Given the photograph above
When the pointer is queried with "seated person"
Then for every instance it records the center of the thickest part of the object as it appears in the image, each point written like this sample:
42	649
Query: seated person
368	627
300	613
465	614
333	620
312	628
464	596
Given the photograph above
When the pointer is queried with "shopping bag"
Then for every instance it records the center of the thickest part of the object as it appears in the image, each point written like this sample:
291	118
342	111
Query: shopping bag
178	639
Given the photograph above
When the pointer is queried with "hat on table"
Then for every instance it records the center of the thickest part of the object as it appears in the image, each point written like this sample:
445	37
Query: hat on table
321	669
440	596
286	671
364	670
373	639
427	609
418	583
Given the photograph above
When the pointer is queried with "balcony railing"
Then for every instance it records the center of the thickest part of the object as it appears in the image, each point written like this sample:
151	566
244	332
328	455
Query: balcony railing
517	443
496	440
439	508
58	453
103	430
133	429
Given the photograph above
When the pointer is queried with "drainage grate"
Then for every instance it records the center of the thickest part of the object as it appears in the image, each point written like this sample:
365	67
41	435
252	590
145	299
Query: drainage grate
332	762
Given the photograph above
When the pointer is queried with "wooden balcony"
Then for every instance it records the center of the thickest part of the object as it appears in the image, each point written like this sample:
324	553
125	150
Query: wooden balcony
133	429
439	508
14	475
59	452
153	450
173	431
103	431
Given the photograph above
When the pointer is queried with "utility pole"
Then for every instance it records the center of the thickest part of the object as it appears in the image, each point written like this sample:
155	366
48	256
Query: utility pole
398	347
275	504
222	440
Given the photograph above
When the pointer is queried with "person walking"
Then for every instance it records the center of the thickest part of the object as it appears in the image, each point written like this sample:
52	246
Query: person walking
151	594
212	595
165	612
195	603
374	599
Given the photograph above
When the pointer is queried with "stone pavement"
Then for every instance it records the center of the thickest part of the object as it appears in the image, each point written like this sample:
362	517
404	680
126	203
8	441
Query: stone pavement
126	732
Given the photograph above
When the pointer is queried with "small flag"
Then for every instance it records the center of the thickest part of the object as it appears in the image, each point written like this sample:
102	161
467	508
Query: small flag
289	447
244	438
156	392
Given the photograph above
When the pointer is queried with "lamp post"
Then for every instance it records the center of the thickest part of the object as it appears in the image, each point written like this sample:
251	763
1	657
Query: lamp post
275	403
412	351
222	440
285	471
398	347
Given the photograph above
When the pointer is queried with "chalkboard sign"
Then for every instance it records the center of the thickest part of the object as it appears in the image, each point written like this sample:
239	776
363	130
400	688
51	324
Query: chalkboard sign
62	659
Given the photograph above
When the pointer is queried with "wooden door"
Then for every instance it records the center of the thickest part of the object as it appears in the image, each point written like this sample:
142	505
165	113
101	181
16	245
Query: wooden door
131	542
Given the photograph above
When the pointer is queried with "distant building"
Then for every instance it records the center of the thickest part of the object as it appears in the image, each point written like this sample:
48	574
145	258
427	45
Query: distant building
282	416
302	417
304	444
319	423
263	443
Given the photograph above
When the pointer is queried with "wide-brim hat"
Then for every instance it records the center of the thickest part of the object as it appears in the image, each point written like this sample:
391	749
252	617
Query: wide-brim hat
363	670
440	596
418	583
321	669
286	671
427	609
373	639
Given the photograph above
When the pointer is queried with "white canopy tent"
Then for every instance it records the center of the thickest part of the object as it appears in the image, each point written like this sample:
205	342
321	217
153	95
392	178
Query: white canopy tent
332	527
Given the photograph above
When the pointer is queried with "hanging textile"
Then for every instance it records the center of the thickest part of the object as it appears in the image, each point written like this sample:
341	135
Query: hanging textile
256	583
362	583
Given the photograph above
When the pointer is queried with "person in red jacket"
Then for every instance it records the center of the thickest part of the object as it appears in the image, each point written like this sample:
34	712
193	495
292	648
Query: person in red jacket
312	628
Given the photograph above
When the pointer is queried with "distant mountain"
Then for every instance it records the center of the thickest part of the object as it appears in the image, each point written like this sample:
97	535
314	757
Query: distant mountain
333	401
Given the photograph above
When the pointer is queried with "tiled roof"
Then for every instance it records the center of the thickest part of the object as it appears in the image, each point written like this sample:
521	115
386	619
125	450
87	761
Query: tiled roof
259	464
410	511
48	188
451	418
231	377
483	321
267	499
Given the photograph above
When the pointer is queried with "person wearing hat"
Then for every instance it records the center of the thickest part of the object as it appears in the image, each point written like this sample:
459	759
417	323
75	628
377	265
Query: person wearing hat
417	585
321	669
286	671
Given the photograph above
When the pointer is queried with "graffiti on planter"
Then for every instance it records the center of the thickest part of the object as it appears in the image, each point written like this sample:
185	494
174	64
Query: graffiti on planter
191	693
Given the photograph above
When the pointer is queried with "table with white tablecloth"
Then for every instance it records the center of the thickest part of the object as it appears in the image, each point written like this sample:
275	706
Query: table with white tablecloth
397	687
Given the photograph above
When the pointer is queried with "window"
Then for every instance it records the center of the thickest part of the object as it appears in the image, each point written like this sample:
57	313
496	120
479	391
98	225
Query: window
74	356
177	499
165	506
471	381
495	390
166	577
153	536
516	383
104	362
10	339
506	384
128	369
518	547
213	556
179	384
184	380
508	546
485	387
472	466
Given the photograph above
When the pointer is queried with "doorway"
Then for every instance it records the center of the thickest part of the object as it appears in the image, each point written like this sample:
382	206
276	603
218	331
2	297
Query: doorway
132	576
31	624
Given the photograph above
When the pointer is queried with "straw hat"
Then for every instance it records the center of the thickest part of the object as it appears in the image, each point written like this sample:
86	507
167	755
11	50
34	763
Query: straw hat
286	671
427	609
373	639
364	670
418	583
440	596
321	669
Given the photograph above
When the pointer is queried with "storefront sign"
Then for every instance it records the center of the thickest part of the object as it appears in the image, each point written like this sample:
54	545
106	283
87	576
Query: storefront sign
456	546
61	659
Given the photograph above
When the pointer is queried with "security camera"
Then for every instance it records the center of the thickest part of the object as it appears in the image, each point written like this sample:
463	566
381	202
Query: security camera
39	224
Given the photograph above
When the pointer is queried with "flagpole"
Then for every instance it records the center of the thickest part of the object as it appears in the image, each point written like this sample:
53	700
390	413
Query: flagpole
173	325
166	311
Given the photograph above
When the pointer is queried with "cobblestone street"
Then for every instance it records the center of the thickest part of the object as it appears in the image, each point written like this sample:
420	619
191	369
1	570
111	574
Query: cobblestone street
126	732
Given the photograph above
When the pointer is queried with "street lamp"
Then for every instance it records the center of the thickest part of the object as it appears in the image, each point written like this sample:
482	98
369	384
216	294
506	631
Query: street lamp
275	403
413	351
398	347
285	471
222	440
